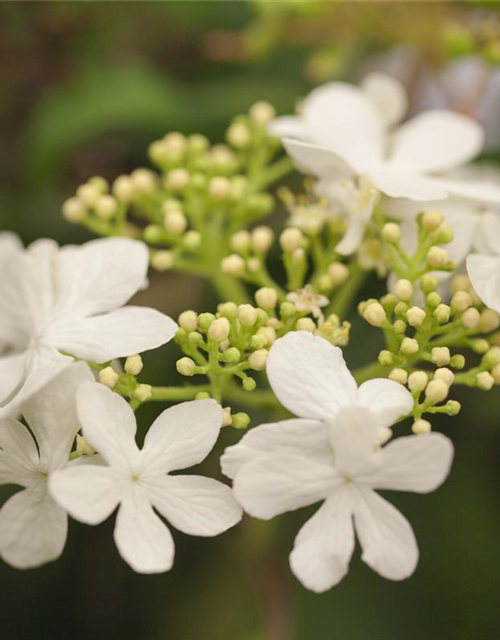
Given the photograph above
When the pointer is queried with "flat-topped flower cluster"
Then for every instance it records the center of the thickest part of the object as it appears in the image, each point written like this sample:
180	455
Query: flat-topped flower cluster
399	200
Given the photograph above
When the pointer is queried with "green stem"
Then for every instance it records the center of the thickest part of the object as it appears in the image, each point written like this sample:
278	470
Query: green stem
166	394
346	295
272	174
372	370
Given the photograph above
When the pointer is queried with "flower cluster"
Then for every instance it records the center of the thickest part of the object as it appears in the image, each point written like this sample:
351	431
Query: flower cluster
381	198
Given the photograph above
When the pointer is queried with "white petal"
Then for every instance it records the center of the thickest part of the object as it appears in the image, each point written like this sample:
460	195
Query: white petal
387	400
400	184
484	273
309	376
353	236
108	423
288	127
51	415
302	437
487	239
88	492
413	463
142	539
385	535
341	117
279	482
12	375
388	95
324	546
33	528
112	335
18	454
318	161
194	505
437	141
100	275
353	437
41	366
479	191
182	436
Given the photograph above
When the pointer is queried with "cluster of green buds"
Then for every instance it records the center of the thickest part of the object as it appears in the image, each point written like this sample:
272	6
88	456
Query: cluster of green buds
435	334
199	198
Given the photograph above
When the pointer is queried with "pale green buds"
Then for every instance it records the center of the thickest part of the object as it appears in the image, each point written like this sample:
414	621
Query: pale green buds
188	320
143	392
108	377
249	384
403	290
134	365
421	426
391	232
440	356
375	314
409	346
417	381
436	391
258	359
398	375
247	315
266	298
240	420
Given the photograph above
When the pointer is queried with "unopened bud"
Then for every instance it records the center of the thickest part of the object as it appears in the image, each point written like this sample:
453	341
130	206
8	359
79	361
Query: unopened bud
421	426
436	391
409	346
489	321
162	260
188	320
437	257
484	381
247	315
266	297
375	314
240	242
143	392
338	273
261	113
442	313
461	301
123	188
186	367
177	179
471	318
73	210
134	365
219	188
444	374
391	232
398	375
175	222
291	239
417	381
432	220
233	265
262	238
403	290
415	316
106	207
108	377
385	358
440	356
240	420
306	324
258	359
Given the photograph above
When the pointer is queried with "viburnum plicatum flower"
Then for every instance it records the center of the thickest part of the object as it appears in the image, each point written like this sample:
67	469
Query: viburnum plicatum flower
484	274
332	452
61	302
139	481
306	301
33	527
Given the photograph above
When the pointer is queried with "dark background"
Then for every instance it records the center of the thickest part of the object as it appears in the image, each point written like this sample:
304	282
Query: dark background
84	88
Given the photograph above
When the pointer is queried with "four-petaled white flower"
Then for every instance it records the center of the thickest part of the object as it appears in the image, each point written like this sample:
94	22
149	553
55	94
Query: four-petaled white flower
332	453
137	480
55	301
33	527
306	301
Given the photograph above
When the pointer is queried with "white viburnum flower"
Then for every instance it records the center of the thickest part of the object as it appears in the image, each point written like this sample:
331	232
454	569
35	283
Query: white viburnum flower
56	301
332	453
306	301
139	481
33	527
353	141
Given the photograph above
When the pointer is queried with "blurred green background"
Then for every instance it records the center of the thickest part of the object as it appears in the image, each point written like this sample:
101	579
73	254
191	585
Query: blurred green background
85	87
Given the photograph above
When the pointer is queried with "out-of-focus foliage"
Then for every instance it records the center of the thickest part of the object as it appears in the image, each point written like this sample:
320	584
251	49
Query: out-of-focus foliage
85	88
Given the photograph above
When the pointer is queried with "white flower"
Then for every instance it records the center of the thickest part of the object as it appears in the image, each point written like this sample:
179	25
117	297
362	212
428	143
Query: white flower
68	300
332	454
139	480
353	141
32	526
484	274
306	301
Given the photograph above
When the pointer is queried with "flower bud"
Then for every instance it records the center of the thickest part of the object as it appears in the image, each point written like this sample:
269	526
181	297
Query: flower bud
108	377
162	260
249	384
261	113
432	220
238	135
287	309
188	320
192	240
461	301
143	392
240	242
175	222
338	273
442	313
421	426
417	381
457	361
489	321
240	420
433	300
88	194
219	188
375	315
444	374
398	375
495	372
460	283
428	283
266	298
233	265
82	446
291	239
484	381
219	330
258	359
247	315
123	188
269	333
437	257
205	320
134	365
391	232
399	327
403	290
228	310
415	316
177	179
471	318
231	355
306	324
479	345
226	417
186	367
409	346
453	407
106	207
385	358
262	239
74	210
440	356
384	435
144	180
436	391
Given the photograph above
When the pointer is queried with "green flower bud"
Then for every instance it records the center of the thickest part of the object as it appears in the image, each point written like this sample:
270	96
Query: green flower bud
453	407
428	283
258	341
202	395
152	233
433	300
195	338
249	384
385	357
399	327
231	356
457	361
240	420
205	320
